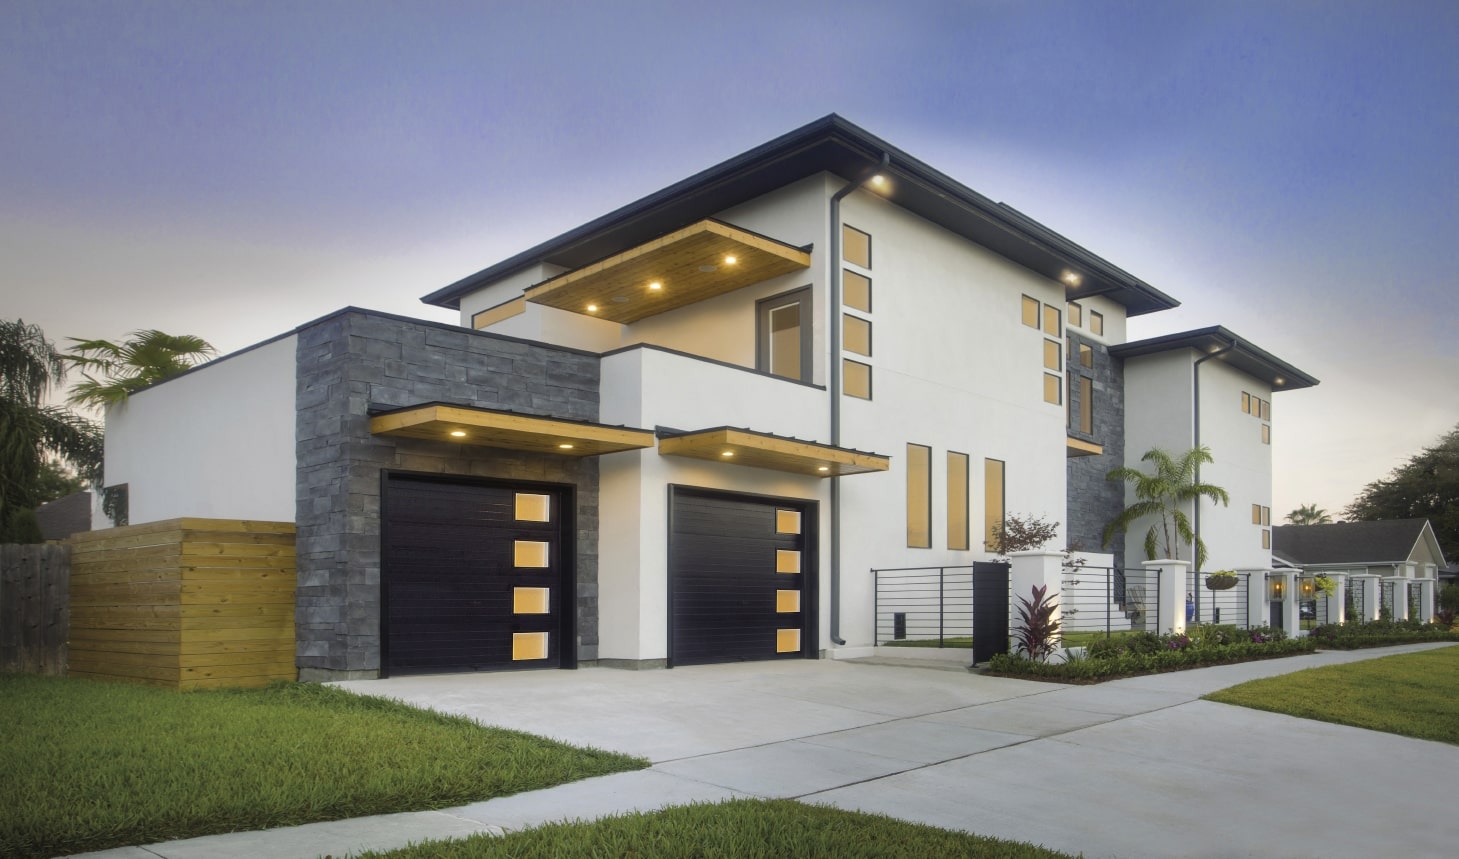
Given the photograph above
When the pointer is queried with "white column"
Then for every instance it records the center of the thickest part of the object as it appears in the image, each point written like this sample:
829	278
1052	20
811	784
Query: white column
1291	610
1170	603
1028	570
1426	596
1372	597
1257	607
1400	597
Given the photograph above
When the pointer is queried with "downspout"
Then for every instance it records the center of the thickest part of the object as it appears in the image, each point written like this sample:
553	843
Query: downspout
1196	385
834	388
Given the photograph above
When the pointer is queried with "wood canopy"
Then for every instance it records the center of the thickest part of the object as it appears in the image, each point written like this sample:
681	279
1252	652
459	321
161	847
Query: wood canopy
762	450
489	428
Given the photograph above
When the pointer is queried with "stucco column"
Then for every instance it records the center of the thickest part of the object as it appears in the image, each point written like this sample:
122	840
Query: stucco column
1337	604
1291	604
1028	570
1170	601
1425	599
1372	596
1257	609
1400	597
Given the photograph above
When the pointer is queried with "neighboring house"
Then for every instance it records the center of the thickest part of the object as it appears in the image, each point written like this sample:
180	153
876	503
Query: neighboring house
1403	548
65	516
685	431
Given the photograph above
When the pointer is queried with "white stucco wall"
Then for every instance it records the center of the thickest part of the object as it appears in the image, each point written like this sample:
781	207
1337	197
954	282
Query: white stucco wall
1243	467
217	442
1158	413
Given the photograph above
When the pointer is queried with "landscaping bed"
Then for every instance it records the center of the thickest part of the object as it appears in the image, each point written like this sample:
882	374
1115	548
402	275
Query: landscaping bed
1379	633
91	765
1149	653
743	829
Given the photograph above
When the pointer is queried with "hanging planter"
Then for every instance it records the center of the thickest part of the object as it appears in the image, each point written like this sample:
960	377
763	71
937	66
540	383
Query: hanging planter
1221	580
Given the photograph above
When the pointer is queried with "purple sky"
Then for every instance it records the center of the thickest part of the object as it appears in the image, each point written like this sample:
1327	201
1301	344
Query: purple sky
1286	169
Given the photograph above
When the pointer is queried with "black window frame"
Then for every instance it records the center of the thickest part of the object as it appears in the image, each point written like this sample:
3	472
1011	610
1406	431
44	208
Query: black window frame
803	296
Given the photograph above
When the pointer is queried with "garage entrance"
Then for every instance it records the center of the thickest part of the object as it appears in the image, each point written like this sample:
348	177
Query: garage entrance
476	575
742	577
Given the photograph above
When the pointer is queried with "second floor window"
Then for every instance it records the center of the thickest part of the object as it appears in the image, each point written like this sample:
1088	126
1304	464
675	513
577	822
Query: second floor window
784	335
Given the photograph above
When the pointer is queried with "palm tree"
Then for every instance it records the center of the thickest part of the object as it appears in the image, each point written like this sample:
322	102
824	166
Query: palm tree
31	432
1309	514
1163	495
145	358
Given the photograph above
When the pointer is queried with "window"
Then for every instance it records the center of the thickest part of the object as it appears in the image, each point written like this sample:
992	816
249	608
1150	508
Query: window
1076	315
784	335
855	379
1030	312
1051	320
1266	515
1256	514
856	291
855	246
1053	390
1266	410
1245	403
992	502
1096	323
856	334
1266	539
1266	434
1086	356
957	500
1086	405
1052	355
919	496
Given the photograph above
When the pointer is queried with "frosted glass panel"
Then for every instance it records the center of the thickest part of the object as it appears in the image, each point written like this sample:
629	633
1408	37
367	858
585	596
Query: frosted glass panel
529	645
787	561
533	508
530	553
529	600
787	601
787	640
787	521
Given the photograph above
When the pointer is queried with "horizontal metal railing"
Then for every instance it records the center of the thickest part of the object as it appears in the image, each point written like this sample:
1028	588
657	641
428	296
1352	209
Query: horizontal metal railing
1227	606
924	604
1107	599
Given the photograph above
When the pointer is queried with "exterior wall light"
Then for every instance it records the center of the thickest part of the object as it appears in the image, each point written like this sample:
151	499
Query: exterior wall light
1277	588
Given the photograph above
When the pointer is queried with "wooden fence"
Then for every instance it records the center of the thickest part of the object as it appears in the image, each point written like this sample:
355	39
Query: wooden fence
184	603
33	608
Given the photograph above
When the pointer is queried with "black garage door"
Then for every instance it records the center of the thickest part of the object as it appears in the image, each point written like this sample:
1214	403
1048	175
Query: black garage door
476	575
742	577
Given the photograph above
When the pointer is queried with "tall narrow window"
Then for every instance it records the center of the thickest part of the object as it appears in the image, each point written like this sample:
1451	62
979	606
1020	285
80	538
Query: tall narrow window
957	500
1051	320
855	379
856	334
1096	323
992	502
1052	355
856	291
855	246
1030	312
1266	434
1076	315
1086	356
784	335
1086	405
1266	539
1245	403
1053	390
1256	514
919	496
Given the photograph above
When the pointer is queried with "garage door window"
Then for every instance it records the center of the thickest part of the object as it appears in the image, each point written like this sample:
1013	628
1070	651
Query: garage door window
787	641
787	561
533	508
529	645
530	553
787	602
530	601
787	521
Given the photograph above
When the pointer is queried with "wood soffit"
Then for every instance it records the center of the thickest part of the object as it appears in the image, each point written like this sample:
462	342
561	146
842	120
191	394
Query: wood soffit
487	428
758	450
689	265
1078	447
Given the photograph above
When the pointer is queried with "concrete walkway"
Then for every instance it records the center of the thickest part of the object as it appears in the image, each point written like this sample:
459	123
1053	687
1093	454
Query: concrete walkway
1131	768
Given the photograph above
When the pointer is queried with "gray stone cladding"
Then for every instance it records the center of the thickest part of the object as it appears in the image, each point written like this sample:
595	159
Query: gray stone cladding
1093	499
355	360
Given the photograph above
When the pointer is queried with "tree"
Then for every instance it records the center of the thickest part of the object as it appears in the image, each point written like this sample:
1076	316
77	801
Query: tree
56	481
30	432
1425	487
1163	495
145	358
1309	514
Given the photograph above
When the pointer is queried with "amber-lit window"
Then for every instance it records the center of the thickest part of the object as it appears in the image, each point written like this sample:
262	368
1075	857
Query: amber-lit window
1266	434
1266	515
1245	403
856	334
855	246
1076	315
856	379
1086	356
1086	405
992	501
957	500
785	335
1053	390
1266	539
1030	312
919	496
1096	322
1051	320
856	290
1266	410
1052	355
1256	514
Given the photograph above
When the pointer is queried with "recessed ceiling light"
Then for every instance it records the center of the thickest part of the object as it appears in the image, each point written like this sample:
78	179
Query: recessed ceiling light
458	433
824	468
656	285
592	308
728	453
1281	381
878	179
565	446
1072	278
730	260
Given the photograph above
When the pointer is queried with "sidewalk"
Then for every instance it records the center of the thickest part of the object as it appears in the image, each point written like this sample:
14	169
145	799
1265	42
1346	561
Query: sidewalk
1137	767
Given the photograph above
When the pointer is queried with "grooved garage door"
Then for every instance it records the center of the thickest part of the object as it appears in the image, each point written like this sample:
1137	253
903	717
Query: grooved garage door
741	578
474	576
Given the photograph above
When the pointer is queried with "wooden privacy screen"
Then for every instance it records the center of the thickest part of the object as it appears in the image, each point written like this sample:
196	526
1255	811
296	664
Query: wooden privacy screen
185	603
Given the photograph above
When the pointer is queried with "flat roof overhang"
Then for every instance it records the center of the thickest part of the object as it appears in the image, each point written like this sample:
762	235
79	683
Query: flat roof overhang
763	450
692	264
1079	447
511	430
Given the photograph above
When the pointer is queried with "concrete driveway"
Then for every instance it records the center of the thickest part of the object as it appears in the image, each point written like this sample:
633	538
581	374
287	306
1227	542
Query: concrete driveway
1131	768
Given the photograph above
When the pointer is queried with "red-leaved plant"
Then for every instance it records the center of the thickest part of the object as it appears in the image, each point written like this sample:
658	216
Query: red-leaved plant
1037	634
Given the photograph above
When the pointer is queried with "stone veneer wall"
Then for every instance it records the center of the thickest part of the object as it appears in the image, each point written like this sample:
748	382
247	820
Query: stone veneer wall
356	360
1093	499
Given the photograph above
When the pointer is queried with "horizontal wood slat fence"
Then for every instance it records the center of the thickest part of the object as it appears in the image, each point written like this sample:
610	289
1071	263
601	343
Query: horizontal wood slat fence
184	603
33	607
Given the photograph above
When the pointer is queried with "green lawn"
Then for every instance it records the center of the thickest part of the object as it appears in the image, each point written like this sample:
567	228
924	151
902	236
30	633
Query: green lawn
89	765
1411	694
741	829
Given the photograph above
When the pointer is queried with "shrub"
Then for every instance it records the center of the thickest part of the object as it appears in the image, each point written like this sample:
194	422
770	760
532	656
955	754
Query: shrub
1037	633
1127	662
1378	633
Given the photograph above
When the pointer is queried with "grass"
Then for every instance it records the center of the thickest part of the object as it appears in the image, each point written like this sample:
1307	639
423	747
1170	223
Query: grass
1410	694
742	829
90	765
963	641
1086	638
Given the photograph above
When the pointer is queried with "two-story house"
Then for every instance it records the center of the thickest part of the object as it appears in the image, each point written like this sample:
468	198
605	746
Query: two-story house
685	431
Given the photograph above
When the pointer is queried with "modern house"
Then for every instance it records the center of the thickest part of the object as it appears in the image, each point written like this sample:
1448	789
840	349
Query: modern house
685	431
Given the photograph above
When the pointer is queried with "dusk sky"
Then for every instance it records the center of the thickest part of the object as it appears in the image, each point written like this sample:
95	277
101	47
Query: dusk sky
231	170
